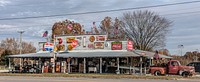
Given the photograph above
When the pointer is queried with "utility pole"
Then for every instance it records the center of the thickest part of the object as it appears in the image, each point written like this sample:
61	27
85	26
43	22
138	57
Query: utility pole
181	48
196	57
20	46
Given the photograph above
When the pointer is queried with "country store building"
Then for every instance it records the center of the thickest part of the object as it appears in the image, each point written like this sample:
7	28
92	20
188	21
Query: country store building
83	54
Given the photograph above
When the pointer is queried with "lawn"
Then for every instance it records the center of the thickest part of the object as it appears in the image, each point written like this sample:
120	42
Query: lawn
109	76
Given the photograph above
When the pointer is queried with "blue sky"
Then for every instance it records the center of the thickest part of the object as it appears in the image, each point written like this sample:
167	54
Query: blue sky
185	29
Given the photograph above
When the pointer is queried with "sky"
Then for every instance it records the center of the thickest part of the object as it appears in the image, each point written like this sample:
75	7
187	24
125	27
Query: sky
184	30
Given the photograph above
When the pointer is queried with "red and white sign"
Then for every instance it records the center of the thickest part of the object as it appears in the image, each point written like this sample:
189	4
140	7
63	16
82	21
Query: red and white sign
48	46
74	43
116	45
129	45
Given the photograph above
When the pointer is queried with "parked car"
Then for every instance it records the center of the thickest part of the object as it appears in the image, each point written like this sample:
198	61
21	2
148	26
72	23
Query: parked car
172	67
196	65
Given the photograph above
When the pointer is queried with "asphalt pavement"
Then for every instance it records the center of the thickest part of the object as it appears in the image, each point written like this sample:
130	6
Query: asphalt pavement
64	79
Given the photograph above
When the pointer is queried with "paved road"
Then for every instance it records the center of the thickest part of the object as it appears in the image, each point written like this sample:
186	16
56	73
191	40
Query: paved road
62	79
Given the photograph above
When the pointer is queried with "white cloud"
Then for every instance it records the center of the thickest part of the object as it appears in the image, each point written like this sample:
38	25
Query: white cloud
4	26
26	13
4	2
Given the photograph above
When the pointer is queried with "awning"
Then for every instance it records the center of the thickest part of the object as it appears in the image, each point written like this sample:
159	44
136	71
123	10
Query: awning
90	53
80	54
96	53
31	55
150	54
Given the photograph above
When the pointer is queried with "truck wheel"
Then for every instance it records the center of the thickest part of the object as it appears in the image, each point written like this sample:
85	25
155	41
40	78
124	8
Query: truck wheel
185	74
156	73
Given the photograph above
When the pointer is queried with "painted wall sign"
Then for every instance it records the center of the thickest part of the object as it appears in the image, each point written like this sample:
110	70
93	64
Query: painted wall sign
100	38
99	45
116	46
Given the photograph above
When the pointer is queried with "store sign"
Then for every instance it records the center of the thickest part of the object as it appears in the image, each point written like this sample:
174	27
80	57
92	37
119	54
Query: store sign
100	38
129	45
48	46
116	46
99	45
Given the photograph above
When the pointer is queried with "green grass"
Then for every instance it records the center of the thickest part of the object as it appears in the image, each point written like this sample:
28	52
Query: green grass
112	76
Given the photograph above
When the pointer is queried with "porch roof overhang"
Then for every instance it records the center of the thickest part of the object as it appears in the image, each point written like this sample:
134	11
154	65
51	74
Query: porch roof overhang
80	54
150	54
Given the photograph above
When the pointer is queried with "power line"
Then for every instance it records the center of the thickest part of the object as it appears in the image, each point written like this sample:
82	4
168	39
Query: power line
90	21
103	11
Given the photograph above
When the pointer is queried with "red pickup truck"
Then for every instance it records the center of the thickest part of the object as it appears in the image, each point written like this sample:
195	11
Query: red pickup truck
172	67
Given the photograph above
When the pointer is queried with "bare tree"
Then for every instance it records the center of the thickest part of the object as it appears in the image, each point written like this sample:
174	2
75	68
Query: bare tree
11	46
145	28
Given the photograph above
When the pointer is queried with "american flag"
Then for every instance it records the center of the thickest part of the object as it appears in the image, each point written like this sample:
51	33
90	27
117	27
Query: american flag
45	34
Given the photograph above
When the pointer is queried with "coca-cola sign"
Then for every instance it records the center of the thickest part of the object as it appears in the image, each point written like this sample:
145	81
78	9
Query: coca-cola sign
129	45
116	46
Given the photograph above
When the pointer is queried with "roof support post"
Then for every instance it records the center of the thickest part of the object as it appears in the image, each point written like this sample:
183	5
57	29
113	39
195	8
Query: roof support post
64	63
140	65
84	65
68	66
117	71
100	65
9	64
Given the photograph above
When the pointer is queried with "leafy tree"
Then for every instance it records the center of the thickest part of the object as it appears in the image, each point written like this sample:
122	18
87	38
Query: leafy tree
146	29
112	29
67	27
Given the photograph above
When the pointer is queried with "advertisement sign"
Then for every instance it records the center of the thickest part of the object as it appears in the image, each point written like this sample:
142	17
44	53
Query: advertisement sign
99	45
91	46
70	39
100	38
48	46
129	45
74	43
92	38
116	46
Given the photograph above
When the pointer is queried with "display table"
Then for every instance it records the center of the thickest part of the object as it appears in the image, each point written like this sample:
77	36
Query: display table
92	69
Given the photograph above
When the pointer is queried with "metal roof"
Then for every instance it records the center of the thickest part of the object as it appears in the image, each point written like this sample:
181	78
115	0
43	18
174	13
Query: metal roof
109	53
81	53
31	55
150	54
90	53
